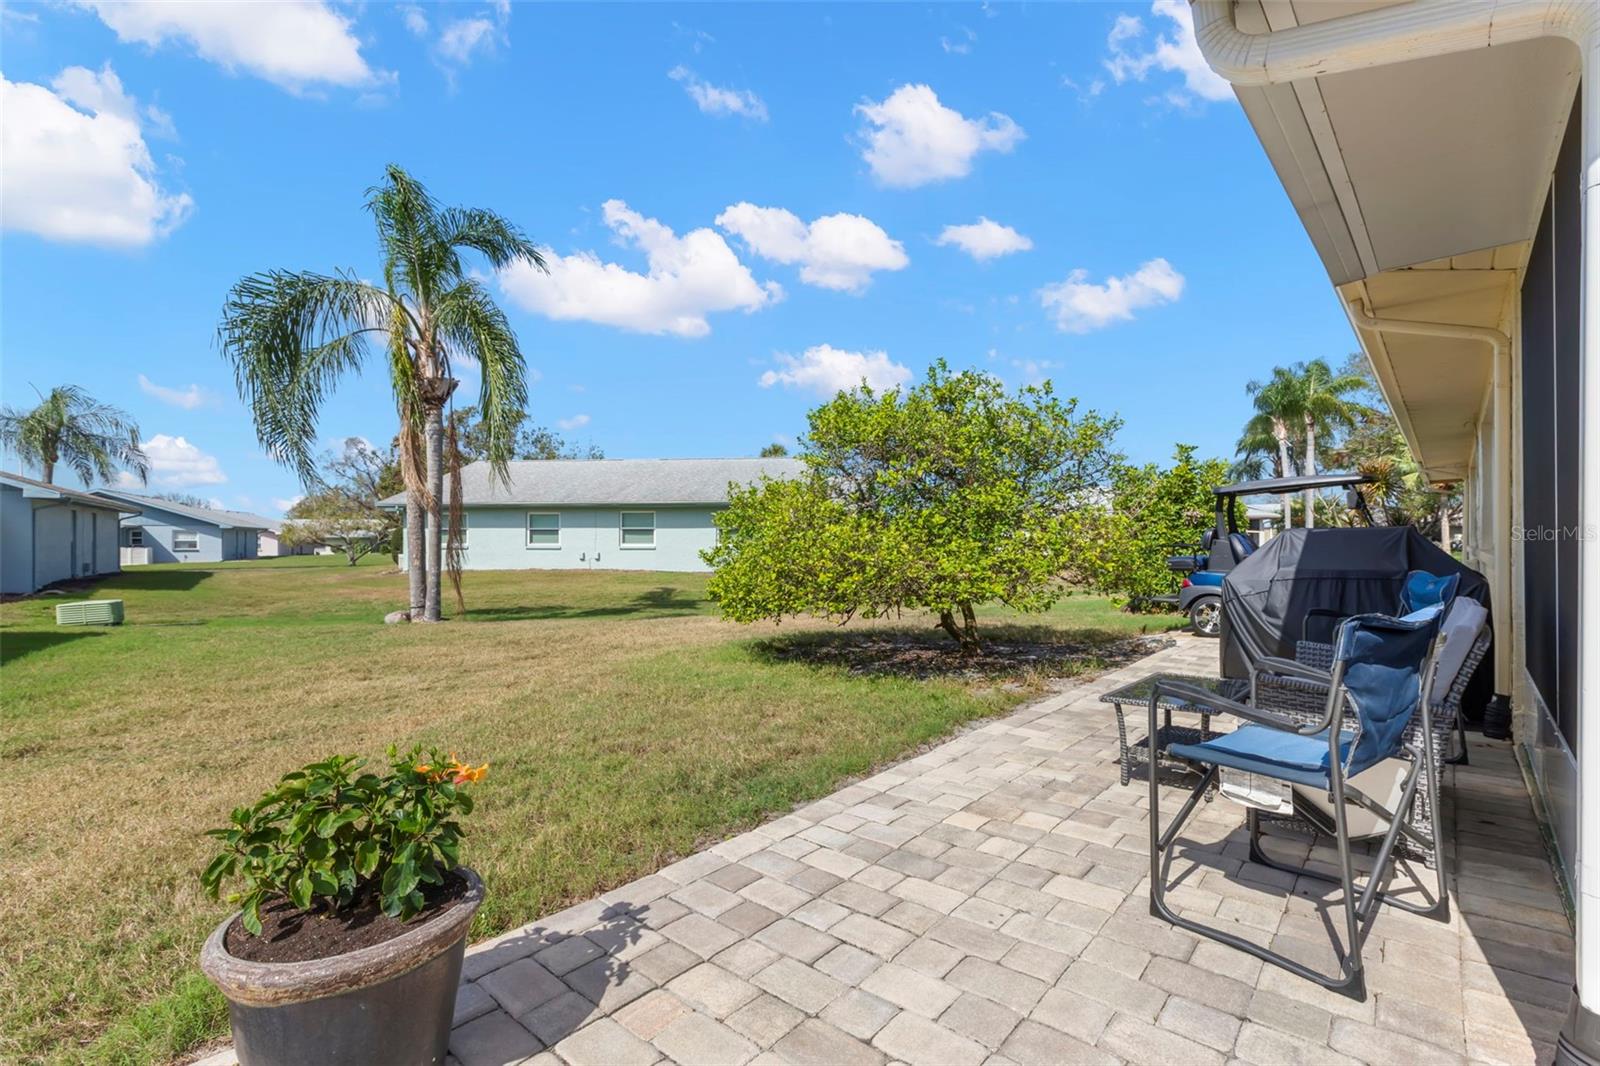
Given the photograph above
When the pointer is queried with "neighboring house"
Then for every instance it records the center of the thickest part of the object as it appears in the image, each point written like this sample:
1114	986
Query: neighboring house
599	514
1449	189
173	532
49	533
270	545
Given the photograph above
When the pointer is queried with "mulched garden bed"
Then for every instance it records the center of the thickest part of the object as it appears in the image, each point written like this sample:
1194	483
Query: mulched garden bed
1001	657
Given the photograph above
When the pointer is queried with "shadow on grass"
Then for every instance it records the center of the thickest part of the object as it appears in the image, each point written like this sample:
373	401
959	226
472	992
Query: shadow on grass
154	580
664	602
1008	652
14	646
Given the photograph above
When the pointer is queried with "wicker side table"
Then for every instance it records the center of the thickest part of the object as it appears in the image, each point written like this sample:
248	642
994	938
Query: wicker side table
1137	754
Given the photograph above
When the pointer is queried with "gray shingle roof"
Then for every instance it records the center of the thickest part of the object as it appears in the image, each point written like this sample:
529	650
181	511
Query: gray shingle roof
613	482
21	482
209	515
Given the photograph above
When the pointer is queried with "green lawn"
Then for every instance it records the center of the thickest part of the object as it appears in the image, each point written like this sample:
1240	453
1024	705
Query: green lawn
624	722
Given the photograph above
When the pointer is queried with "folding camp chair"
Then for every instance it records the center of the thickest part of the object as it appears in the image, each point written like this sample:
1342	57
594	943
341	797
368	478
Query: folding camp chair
1299	691
1377	686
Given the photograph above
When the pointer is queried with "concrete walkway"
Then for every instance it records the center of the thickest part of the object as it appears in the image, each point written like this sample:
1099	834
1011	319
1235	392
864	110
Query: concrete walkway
986	902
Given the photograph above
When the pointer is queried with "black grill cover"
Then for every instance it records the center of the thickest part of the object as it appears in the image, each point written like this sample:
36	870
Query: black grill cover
1267	598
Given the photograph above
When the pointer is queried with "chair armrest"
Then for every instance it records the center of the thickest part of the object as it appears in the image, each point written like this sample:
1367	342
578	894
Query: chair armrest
1199	697
1319	612
1272	664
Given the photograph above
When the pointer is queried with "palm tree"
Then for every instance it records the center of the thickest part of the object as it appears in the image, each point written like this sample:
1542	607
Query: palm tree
292	335
1325	407
1277	404
70	426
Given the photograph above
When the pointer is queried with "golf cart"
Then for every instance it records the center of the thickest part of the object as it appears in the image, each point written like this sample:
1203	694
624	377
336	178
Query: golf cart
1225	545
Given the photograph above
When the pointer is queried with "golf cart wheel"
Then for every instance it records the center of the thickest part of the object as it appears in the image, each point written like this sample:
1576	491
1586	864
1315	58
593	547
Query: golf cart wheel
1205	615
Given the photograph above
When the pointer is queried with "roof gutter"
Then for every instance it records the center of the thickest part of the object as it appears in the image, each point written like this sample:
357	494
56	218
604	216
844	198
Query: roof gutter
1416	30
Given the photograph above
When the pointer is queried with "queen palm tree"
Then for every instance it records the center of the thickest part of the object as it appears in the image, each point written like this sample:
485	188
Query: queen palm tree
70	426
292	335
1277	406
1326	407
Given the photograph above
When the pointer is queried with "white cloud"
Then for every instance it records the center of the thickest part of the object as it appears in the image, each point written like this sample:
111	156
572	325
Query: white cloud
416	20
985	239
1178	54
175	463
912	139
567	425
960	45
687	278
75	166
283	503
827	370
716	100
1081	306
294	44
461	41
187	398
834	252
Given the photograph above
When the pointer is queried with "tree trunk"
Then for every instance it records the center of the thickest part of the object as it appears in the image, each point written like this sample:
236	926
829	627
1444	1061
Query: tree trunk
1311	468
1285	463
964	633
416	557
969	629
434	443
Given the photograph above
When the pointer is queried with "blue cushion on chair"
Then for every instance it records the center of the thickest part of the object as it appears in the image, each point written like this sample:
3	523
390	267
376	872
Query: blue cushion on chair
1423	589
1259	749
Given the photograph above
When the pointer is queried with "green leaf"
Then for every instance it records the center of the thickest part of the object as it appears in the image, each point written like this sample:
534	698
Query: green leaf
300	890
251	918
366	857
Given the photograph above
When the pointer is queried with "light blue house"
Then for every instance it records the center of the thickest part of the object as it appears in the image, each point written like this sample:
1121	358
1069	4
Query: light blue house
599	514
49	533
173	532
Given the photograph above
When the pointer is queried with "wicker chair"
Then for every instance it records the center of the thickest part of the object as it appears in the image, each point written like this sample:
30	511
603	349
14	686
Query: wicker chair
1301	694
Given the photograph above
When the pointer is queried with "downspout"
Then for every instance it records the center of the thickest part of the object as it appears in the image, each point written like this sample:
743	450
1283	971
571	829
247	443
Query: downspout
1500	465
1419	30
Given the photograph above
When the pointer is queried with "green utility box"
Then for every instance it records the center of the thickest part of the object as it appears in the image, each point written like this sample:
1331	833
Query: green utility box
89	613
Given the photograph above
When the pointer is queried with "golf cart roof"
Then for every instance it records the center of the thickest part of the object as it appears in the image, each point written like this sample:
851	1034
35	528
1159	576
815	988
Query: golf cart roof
1282	485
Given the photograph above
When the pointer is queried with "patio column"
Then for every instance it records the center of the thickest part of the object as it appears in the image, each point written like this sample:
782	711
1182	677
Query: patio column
1580	1037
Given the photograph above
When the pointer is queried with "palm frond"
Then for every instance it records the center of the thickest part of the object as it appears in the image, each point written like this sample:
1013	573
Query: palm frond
490	235
472	324
290	337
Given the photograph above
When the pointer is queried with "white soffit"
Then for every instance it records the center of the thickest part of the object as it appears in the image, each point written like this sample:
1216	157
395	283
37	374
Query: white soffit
1392	166
1437	385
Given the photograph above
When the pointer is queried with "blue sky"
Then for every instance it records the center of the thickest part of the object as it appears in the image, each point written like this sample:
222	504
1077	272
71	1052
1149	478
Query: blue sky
746	206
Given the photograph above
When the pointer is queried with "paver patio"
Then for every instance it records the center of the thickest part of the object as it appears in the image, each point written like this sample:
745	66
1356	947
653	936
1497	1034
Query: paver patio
986	902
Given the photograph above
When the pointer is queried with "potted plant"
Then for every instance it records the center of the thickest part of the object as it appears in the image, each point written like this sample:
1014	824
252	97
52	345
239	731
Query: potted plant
353	912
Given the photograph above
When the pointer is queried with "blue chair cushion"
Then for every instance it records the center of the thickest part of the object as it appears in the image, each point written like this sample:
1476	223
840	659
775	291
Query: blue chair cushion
1259	749
1422	589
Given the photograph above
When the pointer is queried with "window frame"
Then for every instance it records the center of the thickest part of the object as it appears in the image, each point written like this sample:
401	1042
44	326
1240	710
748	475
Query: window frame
623	528
527	531
192	534
135	536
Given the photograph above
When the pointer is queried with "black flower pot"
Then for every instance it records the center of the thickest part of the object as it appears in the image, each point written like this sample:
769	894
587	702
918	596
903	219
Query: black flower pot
389	1003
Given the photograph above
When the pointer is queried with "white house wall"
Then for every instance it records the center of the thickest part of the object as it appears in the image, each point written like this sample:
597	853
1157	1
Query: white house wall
44	541
590	539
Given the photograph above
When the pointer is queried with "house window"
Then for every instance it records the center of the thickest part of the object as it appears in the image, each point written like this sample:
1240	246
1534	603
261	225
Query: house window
135	537
185	540
544	529
638	529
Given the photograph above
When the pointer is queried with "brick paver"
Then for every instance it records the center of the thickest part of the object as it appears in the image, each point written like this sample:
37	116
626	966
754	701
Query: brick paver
987	901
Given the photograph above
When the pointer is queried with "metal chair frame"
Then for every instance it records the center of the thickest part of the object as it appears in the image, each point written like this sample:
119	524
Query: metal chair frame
1359	911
